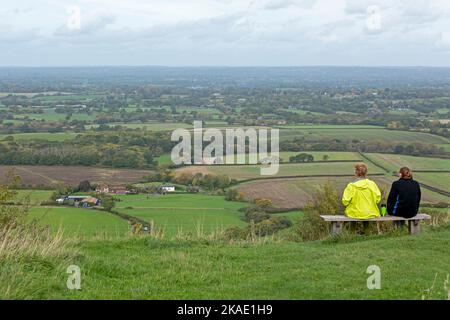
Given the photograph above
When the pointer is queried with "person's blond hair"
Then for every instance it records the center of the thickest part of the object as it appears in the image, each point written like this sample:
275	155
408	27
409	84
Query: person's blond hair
360	170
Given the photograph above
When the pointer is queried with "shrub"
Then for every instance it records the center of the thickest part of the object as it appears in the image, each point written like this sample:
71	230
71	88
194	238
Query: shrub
325	201
233	195
255	216
271	225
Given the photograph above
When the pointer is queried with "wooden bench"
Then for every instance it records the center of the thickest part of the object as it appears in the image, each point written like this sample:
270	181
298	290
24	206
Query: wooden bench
337	222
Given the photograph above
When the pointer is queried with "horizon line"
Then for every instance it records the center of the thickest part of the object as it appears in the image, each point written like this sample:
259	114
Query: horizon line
225	66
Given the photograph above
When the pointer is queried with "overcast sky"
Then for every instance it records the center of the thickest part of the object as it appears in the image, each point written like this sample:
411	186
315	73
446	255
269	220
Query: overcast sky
225	32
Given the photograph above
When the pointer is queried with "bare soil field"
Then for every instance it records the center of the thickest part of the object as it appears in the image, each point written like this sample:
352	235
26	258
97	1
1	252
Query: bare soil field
70	175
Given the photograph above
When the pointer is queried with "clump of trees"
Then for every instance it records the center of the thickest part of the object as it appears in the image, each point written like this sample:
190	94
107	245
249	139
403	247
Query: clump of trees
205	181
302	157
132	149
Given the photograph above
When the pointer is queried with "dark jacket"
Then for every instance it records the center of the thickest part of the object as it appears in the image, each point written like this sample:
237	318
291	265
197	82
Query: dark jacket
404	198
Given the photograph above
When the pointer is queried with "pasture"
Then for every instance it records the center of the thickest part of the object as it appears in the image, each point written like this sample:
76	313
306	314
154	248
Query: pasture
183	212
148	126
60	136
394	162
165	159
244	172
79	222
349	133
440	180
35	197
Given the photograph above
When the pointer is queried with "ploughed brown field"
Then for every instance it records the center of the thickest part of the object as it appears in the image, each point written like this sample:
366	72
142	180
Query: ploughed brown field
70	175
297	192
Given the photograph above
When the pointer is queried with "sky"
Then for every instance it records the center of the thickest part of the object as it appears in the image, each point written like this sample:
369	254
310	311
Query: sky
225	32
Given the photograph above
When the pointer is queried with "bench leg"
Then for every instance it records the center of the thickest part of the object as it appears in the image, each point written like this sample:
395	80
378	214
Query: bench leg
336	228
414	226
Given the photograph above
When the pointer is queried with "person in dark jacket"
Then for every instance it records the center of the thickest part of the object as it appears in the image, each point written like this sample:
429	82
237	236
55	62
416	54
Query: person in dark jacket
404	198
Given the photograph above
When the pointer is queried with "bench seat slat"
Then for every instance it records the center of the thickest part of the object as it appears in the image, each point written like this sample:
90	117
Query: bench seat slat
420	216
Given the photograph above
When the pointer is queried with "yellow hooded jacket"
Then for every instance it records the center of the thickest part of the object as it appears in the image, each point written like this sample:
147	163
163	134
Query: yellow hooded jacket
361	199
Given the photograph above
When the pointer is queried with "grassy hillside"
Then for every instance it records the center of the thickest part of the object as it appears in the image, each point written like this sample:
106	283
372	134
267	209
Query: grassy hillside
146	268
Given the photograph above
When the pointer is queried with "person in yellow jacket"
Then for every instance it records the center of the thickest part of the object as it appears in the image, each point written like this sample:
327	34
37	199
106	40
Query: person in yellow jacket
362	196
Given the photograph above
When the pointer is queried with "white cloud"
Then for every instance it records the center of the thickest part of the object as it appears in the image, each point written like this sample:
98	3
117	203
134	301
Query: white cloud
229	31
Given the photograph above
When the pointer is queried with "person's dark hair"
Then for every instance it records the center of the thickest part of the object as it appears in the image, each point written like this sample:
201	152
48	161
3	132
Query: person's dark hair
406	173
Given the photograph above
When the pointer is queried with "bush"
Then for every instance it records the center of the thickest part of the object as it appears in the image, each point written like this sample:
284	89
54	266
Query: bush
326	201
255	216
271	225
233	195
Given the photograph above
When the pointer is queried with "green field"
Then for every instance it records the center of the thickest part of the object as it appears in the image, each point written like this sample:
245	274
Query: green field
183	212
77	221
34	196
394	162
165	159
51	115
148	126
349	133
438	180
243	172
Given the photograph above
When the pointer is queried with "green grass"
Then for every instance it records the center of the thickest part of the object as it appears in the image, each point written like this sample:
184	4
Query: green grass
77	221
349	133
240	172
446	147
329	127
145	268
148	126
438	180
35	196
394	162
183	212
51	115
42	136
165	159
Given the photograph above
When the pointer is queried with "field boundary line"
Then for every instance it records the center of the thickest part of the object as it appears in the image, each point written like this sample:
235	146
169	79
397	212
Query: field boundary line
373	162
37	174
259	164
304	176
434	189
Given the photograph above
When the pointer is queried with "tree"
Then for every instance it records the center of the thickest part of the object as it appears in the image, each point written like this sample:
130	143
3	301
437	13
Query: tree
84	186
325	157
108	203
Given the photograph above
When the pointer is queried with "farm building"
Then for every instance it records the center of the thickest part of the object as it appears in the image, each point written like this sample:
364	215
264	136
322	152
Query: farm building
102	188
166	188
118	190
85	201
90	202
